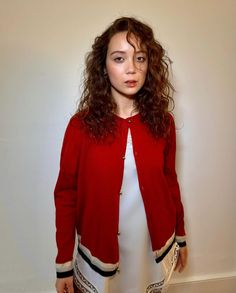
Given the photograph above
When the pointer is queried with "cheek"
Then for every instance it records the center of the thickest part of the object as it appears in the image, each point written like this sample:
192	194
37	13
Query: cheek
144	74
145	70
113	72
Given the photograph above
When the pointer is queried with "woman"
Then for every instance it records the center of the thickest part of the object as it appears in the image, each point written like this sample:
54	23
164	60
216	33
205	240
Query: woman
117	188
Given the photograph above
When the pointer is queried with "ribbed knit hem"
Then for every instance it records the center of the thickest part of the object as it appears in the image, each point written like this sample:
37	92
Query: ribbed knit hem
61	275
181	240
182	244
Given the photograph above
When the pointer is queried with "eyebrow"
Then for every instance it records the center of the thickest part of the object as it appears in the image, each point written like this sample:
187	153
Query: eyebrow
123	52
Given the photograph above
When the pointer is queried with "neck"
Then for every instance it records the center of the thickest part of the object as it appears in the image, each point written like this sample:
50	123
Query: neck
125	107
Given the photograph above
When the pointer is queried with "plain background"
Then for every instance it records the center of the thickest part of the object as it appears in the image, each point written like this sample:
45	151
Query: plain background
42	49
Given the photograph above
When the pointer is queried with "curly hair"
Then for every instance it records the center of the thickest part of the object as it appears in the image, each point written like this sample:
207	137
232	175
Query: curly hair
97	107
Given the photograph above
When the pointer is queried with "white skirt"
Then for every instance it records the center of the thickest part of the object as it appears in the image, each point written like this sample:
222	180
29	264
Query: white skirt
138	271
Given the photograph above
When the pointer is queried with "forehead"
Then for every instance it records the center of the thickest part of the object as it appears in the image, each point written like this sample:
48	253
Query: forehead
119	41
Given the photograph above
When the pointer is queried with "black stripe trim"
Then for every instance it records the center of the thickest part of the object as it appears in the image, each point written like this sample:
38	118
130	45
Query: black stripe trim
67	274
182	244
160	258
95	268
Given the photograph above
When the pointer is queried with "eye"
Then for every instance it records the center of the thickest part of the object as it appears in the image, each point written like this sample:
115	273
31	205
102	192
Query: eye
119	59
141	59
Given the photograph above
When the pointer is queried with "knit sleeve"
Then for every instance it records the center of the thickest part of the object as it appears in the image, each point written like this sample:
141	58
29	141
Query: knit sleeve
65	195
171	176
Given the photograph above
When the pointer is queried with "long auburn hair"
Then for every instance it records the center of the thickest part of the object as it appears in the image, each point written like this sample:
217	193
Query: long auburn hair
97	107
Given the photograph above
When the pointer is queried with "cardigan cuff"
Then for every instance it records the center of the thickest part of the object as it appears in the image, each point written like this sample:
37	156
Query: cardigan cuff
64	274
182	244
64	270
181	240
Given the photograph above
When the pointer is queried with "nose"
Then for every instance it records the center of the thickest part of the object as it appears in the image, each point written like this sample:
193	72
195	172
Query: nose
131	67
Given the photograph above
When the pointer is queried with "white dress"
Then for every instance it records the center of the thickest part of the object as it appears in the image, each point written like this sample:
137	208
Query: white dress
138	271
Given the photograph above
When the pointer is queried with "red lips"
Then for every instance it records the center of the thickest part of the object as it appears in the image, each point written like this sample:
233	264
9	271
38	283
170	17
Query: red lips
131	83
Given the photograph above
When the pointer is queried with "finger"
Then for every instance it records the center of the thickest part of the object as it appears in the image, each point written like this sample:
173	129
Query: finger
184	258
181	268
71	290
178	264
183	263
70	287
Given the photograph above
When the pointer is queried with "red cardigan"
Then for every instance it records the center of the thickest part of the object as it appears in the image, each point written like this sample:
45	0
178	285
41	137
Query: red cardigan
88	189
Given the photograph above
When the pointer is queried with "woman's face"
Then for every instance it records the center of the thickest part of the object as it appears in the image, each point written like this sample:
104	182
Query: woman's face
126	66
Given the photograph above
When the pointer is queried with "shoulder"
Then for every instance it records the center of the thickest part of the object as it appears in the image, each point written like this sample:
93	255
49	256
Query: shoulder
76	122
75	127
170	117
170	123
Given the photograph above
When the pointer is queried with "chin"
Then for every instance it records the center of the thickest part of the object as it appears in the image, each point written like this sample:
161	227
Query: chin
132	91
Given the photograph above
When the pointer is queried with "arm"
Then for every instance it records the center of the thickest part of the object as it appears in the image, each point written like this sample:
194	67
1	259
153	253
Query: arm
172	181
171	176
65	195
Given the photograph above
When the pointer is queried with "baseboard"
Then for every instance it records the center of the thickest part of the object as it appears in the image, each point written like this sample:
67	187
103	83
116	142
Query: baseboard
205	284
201	284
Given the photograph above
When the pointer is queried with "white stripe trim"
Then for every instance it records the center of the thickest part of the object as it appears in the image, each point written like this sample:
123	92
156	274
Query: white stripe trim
163	249
180	238
64	267
106	267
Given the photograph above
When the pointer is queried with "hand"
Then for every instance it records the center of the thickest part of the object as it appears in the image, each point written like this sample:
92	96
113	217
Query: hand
182	259
64	285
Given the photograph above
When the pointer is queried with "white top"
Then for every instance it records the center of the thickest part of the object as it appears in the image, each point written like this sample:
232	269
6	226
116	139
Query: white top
138	271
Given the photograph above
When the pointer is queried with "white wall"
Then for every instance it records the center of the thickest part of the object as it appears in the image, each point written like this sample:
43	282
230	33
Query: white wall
42	45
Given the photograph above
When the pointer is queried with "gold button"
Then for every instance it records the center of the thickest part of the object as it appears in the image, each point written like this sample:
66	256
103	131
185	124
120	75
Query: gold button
120	193
129	120
123	157
118	233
